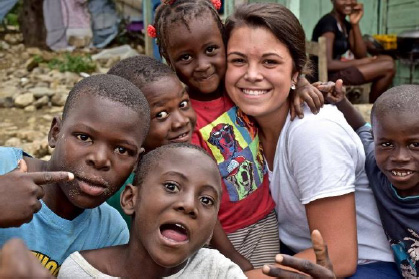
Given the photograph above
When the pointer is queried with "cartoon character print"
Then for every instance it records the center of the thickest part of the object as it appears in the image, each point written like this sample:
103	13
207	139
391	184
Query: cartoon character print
241	176
233	141
406	253
222	136
242	120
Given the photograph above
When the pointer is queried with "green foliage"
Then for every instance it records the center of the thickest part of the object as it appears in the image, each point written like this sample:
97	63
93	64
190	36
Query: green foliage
72	63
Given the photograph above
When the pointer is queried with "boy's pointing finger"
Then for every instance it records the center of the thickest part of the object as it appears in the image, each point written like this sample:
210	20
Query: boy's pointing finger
48	177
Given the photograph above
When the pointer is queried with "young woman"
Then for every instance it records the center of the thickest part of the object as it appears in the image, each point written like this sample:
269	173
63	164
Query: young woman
316	163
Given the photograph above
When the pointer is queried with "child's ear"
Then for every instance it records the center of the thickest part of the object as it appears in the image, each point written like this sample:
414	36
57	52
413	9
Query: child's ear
54	130
129	199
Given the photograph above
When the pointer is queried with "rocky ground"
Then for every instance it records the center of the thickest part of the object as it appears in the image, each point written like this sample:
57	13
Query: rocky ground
31	94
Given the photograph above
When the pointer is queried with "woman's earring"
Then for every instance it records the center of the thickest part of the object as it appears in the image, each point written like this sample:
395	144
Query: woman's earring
292	86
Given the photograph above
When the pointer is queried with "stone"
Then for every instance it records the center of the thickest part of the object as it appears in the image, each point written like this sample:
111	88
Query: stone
33	51
58	99
71	78
8	91
24	100
13	142
30	135
13	39
39	92
31	64
24	81
43	101
30	108
20	73
6	102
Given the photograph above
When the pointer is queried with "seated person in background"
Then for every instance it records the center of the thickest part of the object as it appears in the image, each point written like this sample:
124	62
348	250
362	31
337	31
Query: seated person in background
343	36
174	206
392	165
98	139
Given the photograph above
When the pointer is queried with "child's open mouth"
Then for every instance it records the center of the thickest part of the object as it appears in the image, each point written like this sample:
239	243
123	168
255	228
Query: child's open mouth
176	233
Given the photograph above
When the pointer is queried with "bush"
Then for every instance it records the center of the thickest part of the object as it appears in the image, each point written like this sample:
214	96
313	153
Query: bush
72	63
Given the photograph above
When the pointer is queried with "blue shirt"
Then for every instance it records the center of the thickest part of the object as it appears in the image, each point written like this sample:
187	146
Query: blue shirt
52	238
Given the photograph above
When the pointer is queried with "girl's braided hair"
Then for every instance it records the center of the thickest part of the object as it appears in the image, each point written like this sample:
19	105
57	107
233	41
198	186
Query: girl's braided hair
181	11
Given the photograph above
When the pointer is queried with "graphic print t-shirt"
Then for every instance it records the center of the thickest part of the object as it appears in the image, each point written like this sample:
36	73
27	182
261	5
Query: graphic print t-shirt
231	137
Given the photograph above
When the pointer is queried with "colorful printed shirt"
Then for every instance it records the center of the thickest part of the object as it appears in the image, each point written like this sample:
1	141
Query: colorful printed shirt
231	137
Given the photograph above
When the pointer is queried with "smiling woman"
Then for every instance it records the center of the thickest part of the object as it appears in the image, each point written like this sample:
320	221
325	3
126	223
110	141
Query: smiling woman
316	163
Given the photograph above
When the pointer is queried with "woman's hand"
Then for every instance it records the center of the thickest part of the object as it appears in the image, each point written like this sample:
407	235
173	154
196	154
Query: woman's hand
357	13
322	269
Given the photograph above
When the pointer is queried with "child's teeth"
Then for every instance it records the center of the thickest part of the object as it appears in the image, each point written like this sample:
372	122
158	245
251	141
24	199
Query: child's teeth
398	173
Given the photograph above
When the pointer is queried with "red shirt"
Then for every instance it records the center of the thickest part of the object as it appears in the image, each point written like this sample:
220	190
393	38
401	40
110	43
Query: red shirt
231	137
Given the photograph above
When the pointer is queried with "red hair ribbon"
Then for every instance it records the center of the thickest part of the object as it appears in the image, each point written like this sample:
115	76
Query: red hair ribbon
151	31
217	4
168	2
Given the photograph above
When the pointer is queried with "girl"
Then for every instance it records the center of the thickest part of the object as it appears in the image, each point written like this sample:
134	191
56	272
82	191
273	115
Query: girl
342	36
316	163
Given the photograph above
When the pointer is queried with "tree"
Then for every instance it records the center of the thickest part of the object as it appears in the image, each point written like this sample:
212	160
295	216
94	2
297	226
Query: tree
31	21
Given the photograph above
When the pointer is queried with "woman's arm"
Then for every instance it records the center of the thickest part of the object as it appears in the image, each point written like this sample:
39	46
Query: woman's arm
356	42
335	217
336	65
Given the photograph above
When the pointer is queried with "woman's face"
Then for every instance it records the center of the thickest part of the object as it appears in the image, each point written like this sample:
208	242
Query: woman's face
259	71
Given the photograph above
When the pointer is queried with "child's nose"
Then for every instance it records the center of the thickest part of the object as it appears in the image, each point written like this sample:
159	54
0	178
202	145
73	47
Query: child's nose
187	206
99	157
179	120
401	154
203	64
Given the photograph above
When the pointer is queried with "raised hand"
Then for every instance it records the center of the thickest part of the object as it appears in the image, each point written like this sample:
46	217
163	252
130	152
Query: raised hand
20	192
333	92
16	261
357	13
323	268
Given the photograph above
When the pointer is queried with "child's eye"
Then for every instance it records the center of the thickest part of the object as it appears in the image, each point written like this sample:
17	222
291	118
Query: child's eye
206	200
386	145
184	104
211	49
83	137
162	115
122	150
171	187
185	57
414	145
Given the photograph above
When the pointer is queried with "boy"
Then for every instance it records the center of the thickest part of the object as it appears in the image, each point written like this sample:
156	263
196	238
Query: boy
98	139
392	165
172	119
174	206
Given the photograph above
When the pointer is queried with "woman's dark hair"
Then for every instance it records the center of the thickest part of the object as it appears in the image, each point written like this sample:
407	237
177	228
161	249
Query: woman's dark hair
280	21
181	11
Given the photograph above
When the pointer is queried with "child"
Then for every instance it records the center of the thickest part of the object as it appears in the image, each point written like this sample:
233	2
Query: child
174	206
391	148
190	37
172	118
98	139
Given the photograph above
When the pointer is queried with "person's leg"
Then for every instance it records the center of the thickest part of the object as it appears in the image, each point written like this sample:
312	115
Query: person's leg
378	270
380	72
